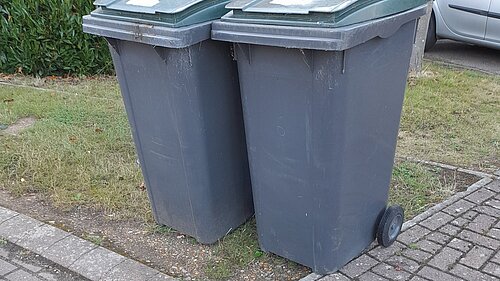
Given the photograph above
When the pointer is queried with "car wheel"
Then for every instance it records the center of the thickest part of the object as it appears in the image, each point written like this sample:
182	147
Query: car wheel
431	33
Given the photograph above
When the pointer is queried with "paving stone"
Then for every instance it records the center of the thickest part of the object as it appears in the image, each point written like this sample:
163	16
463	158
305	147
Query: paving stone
335	277
6	267
476	257
21	275
460	245
434	274
416	278
437	220
417	255
492	269
41	238
470	215
391	272
459	207
460	222
470	274
358	266
30	267
400	262
428	246
68	250
413	234
494	186
479	239
380	253
14	228
496	258
370	276
482	223
96	263
493	203
494	233
480	196
6	214
449	229
488	211
444	259
439	238
130	270
48	276
3	252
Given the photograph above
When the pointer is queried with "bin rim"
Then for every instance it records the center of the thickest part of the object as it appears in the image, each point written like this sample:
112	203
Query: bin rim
161	36
316	38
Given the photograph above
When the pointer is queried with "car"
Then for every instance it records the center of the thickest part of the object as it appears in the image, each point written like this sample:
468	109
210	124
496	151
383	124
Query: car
472	21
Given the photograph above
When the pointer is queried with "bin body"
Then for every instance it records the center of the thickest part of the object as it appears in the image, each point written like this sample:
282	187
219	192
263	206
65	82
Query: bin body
321	129
181	94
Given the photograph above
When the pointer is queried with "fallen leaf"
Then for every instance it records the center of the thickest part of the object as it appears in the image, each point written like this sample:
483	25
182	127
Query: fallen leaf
98	130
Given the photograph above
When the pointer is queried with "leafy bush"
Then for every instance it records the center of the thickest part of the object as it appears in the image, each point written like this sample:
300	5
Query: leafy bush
45	37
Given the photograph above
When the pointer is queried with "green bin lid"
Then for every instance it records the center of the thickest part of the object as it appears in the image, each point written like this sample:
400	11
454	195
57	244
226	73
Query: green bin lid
172	13
324	13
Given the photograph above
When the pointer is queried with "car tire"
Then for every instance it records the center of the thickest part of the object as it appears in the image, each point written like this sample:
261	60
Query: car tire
431	39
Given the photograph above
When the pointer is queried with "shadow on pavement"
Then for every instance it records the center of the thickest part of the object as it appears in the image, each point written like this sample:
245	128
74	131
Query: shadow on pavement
466	55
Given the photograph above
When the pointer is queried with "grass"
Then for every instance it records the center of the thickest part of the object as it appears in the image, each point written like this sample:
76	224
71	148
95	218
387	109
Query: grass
452	116
415	187
234	251
80	151
96	239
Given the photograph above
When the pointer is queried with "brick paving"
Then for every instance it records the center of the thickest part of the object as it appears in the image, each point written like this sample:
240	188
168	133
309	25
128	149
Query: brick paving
18	264
456	240
31	250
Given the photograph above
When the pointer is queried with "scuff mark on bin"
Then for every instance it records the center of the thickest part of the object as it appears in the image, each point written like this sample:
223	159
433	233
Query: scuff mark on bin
163	156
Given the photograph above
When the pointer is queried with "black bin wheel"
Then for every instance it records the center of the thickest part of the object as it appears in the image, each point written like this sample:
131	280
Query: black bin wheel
390	225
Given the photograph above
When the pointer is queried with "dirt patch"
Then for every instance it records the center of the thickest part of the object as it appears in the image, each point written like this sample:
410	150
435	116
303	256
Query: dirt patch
461	181
20	125
168	251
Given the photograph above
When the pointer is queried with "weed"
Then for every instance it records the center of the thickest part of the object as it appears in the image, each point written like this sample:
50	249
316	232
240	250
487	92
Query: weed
96	239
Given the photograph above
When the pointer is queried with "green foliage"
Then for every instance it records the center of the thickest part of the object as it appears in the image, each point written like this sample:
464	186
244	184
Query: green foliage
45	37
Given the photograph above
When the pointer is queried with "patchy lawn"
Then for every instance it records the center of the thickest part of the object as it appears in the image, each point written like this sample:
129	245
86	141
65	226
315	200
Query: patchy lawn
452	116
79	154
79	150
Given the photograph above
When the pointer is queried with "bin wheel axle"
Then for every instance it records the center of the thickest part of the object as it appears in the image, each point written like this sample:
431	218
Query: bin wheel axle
390	225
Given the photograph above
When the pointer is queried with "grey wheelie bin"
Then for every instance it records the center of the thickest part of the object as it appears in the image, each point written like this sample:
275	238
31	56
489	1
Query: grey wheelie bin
322	84
182	99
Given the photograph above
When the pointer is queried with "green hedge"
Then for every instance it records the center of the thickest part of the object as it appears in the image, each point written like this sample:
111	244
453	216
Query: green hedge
44	37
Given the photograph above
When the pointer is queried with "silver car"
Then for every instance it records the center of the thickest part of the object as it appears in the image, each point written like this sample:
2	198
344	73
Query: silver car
471	21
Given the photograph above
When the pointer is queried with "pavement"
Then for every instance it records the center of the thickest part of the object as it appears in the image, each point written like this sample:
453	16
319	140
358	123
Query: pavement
73	258
458	239
17	263
466	56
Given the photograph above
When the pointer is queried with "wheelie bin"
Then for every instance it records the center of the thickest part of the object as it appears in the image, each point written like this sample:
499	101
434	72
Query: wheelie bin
322	86
181	94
